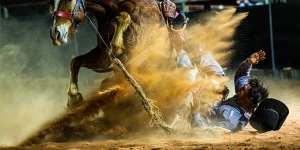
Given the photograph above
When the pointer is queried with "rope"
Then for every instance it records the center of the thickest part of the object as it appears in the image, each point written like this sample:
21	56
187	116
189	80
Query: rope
151	109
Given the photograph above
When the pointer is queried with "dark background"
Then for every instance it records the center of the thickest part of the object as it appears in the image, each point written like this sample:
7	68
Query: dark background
253	33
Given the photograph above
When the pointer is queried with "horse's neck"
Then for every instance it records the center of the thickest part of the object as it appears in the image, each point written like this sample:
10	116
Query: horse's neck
105	29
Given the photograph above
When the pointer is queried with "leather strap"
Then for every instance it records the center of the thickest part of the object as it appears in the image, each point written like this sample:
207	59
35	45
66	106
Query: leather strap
63	14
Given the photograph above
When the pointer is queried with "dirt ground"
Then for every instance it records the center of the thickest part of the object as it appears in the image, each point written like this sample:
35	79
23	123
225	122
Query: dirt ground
288	137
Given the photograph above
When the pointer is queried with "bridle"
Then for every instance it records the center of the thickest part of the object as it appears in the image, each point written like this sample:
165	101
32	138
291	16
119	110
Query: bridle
80	5
69	15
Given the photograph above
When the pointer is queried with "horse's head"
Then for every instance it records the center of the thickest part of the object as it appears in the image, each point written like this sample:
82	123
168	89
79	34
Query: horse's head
67	15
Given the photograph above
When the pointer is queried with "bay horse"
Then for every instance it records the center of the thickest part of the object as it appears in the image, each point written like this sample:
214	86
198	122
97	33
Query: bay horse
119	23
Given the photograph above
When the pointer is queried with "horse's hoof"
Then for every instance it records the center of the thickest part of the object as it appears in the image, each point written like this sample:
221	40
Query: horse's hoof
74	100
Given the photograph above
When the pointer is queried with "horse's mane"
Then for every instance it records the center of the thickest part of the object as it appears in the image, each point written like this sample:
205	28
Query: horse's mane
56	2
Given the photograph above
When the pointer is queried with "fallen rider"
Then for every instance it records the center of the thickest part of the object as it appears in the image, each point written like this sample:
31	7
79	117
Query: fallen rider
249	104
234	113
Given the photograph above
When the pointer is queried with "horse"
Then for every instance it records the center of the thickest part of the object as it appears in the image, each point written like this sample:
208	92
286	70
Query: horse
120	24
117	26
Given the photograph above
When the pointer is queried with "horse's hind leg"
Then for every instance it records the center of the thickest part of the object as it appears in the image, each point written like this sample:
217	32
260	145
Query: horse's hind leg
97	60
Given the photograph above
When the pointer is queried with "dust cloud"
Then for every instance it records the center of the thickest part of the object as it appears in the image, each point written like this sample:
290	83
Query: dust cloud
153	63
30	95
34	76
169	87
213	33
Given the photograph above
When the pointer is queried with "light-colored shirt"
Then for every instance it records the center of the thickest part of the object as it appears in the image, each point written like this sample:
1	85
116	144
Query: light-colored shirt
183	60
232	118
208	62
205	60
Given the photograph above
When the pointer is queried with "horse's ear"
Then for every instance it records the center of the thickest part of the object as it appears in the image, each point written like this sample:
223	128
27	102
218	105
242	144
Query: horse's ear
51	6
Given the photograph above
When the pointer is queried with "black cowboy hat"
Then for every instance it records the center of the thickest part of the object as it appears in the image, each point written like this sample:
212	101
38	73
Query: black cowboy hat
269	115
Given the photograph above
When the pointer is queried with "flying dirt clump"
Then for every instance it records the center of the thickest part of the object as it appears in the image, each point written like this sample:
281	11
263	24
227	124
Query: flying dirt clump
73	123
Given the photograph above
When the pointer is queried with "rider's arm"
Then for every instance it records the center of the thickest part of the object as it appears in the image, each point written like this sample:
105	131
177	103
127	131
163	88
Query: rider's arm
242	74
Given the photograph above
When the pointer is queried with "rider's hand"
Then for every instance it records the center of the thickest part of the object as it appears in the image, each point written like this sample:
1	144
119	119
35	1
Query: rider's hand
257	57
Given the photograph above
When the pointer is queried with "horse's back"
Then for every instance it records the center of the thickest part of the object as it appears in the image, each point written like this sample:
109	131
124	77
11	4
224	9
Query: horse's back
141	11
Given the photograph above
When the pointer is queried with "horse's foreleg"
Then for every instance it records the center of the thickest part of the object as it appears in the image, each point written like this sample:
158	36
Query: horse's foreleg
96	60
74	96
